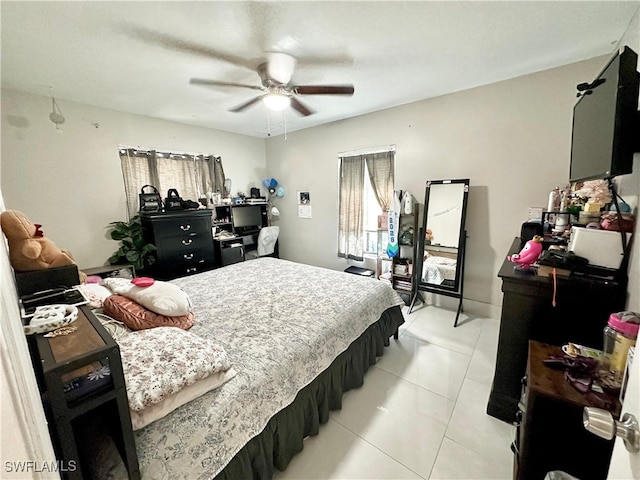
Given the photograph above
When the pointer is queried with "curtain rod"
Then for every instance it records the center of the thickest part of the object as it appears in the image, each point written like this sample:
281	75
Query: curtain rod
367	151
169	152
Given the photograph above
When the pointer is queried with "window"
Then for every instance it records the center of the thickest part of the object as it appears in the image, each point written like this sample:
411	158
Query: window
193	176
366	191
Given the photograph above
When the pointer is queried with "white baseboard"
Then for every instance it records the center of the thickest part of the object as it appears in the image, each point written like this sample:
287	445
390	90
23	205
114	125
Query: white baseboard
470	307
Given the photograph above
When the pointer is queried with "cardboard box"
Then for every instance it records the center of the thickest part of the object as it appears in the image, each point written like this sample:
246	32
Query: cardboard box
547	271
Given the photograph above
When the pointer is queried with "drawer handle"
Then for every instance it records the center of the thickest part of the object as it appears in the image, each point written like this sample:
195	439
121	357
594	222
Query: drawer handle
185	228
188	256
191	270
186	242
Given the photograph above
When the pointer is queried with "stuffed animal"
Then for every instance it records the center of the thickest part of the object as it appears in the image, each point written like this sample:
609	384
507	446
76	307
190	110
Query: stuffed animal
529	254
428	237
29	249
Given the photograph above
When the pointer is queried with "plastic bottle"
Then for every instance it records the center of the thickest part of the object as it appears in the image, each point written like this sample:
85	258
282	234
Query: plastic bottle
618	337
553	198
407	203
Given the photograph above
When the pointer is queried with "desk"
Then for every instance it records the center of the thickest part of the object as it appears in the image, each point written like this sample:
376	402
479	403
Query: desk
583	306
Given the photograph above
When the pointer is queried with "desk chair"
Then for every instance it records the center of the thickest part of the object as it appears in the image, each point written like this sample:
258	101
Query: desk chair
267	239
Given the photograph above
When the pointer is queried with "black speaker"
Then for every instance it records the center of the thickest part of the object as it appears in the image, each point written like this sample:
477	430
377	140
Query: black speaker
255	193
528	231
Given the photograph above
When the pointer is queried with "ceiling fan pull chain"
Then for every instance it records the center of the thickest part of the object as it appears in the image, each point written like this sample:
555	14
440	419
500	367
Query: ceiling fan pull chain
268	122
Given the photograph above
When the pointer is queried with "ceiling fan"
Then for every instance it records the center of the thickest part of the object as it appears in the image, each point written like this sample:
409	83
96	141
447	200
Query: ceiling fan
277	90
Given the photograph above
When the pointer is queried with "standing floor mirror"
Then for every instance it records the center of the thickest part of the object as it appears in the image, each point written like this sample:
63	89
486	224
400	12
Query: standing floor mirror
442	240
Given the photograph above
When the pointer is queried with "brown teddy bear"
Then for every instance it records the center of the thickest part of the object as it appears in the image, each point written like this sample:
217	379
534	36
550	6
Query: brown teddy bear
29	249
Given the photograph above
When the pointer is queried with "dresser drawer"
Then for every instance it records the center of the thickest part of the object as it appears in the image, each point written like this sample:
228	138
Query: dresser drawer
184	244
181	227
175	271
186	256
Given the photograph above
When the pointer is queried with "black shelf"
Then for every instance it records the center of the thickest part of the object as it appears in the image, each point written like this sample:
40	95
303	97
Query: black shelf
407	254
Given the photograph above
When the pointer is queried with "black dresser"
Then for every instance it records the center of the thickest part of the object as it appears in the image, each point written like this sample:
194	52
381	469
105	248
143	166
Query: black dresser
583	304
183	240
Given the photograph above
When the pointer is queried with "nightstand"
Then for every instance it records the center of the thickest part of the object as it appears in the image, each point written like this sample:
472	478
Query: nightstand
76	390
550	435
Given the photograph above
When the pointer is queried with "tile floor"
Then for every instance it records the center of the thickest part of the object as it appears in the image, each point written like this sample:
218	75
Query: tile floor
421	411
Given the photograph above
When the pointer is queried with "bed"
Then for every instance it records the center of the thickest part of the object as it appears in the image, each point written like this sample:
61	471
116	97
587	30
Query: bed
297	336
437	269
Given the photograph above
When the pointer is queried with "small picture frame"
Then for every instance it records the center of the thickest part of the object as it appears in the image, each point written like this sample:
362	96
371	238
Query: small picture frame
304	198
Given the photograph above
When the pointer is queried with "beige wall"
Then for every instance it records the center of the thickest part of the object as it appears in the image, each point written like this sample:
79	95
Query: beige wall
512	139
70	180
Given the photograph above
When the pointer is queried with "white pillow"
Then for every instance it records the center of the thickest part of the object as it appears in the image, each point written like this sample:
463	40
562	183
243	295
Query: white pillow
161	297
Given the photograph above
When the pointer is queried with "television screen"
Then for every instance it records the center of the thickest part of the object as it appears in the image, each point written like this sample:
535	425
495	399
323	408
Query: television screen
247	216
605	121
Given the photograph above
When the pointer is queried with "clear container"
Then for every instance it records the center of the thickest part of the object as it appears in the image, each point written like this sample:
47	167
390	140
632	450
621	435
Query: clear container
619	336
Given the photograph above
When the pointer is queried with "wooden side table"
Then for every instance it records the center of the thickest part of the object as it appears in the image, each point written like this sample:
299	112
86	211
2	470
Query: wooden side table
551	435
62	359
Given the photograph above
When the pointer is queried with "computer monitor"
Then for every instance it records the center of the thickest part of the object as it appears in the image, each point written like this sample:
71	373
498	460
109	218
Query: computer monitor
247	218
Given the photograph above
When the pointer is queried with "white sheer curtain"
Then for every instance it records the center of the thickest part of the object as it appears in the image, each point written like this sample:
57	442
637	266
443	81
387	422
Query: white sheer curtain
381	174
194	176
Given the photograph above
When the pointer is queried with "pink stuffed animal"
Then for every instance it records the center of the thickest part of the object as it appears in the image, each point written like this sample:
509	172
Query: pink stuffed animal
529	254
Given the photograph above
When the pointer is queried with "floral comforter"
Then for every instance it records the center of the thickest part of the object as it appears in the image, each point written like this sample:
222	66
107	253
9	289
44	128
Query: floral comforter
281	324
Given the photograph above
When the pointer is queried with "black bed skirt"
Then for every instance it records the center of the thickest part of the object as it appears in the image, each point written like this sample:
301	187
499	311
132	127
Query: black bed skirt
283	436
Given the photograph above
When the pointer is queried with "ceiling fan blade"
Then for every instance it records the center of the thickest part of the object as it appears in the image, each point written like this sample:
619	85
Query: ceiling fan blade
216	83
178	44
280	67
300	107
246	105
324	89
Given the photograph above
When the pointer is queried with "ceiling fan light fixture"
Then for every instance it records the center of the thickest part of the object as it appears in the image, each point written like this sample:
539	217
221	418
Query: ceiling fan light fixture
276	102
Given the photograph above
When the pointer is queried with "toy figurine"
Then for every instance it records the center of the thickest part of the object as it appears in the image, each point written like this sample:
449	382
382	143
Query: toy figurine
528	255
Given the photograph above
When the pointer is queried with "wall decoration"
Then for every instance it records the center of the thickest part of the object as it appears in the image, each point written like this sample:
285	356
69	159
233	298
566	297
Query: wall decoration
304	198
304	211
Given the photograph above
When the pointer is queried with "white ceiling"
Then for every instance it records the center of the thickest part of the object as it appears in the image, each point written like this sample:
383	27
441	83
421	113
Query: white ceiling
392	52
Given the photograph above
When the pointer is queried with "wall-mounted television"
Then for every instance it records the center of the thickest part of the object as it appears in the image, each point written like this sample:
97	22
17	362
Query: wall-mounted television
606	124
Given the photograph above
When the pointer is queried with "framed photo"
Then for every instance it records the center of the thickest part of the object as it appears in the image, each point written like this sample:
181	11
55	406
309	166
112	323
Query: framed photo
304	198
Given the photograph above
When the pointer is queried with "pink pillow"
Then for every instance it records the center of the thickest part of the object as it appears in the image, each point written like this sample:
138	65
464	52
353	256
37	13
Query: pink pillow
137	317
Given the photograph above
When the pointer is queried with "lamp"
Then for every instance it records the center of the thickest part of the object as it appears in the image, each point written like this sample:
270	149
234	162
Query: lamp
276	101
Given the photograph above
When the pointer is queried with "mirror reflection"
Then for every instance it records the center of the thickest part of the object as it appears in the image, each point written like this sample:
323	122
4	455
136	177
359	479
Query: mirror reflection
443	227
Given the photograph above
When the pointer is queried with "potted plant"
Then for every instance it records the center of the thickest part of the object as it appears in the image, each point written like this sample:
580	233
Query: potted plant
133	247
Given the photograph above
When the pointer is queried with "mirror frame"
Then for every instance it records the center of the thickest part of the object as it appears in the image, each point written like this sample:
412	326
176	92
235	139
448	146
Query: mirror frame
456	289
